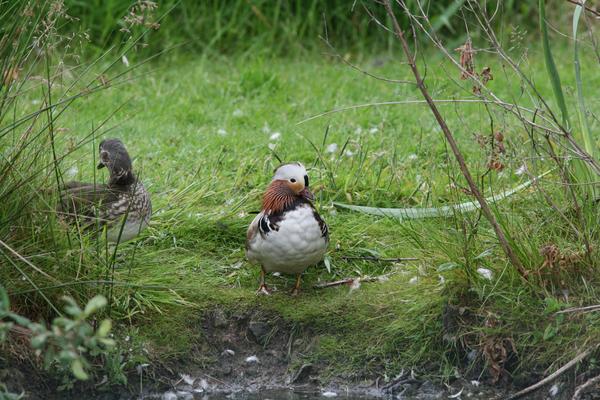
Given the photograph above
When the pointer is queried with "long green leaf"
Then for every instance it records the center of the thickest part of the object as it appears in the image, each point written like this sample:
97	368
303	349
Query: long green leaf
435	212
585	128
551	66
581	169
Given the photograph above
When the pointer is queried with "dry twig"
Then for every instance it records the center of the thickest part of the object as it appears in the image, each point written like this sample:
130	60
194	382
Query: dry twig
379	259
553	376
351	281
581	388
487	212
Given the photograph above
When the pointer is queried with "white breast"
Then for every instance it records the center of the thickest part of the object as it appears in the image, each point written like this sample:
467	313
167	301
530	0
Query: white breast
298	244
131	229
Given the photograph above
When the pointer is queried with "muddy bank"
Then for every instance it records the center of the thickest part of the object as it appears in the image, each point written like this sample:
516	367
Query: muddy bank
255	355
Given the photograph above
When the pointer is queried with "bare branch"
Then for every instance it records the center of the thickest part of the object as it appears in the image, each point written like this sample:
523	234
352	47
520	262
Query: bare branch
582	388
552	377
485	208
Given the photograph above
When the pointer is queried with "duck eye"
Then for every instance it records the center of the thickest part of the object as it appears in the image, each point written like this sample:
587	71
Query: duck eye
293	180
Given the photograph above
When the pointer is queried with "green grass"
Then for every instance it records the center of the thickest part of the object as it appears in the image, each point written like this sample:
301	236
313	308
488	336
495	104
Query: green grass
199	133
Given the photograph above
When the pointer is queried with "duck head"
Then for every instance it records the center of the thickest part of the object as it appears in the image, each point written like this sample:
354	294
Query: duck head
114	156
295	178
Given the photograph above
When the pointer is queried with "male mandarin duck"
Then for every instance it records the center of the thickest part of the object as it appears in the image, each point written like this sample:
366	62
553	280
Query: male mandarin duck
288	235
123	205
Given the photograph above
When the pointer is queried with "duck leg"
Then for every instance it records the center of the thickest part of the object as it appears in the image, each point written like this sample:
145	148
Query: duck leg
296	289
263	289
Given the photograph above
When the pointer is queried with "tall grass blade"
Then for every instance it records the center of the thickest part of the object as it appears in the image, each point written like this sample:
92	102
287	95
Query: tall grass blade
551	66
585	128
443	19
581	169
436	212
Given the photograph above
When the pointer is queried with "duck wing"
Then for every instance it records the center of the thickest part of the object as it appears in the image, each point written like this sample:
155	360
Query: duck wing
87	201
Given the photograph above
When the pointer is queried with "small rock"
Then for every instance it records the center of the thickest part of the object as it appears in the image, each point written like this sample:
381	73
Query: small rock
554	390
329	394
219	319
252	360
228	352
260	331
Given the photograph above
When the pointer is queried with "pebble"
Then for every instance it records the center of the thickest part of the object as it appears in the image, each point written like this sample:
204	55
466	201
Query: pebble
228	352
252	359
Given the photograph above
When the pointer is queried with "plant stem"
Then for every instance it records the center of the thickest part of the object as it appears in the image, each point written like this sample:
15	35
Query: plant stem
485	208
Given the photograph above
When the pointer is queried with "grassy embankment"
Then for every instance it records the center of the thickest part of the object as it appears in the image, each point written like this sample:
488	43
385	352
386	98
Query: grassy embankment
200	135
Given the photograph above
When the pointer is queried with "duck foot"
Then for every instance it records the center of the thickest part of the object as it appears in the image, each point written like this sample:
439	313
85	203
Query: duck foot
263	290
296	290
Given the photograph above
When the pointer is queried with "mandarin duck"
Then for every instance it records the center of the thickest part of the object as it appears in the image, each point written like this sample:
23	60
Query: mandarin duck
288	235
123	205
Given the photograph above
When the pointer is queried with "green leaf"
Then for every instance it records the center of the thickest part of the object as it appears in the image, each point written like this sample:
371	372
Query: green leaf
447	266
4	301
485	253
77	369
585	128
551	66
96	303
549	332
38	341
435	212
327	262
107	342
581	169
104	328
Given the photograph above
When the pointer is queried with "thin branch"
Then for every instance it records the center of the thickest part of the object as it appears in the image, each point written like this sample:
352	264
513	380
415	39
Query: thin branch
352	281
485	208
507	106
553	376
379	259
581	388
579	3
363	71
578	309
